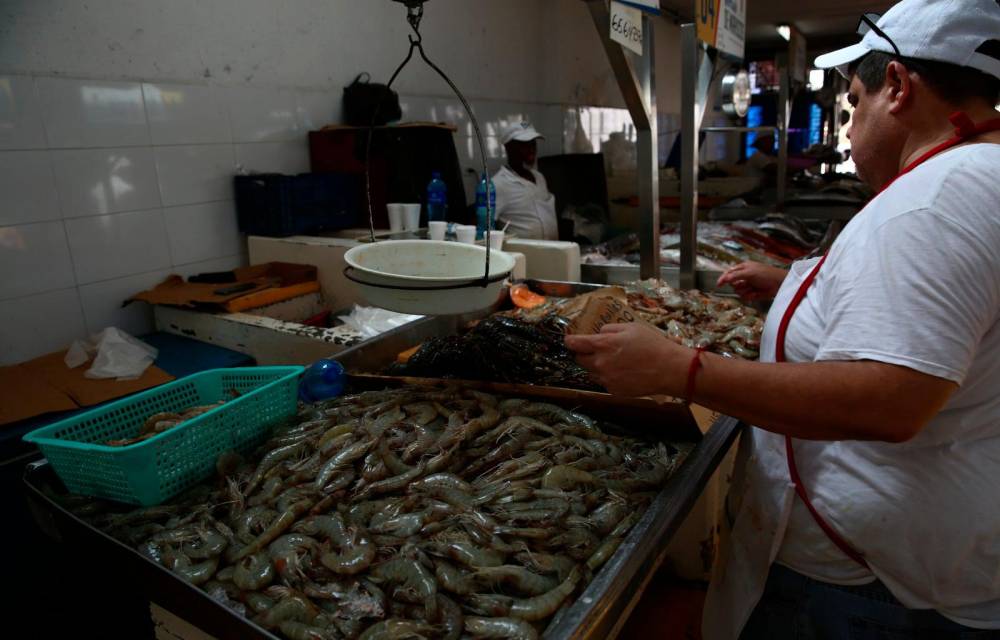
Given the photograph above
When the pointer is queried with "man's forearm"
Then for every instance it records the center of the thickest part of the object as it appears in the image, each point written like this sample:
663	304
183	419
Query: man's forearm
823	400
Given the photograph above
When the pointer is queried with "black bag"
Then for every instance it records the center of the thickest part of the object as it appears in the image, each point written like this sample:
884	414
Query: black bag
364	100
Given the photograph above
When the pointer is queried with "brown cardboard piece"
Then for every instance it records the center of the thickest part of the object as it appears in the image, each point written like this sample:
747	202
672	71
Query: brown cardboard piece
175	291
46	384
591	311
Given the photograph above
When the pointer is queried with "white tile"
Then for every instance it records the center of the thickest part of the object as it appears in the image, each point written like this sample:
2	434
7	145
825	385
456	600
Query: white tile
201	232
117	245
419	109
274	157
316	109
195	173
92	113
20	117
186	114
27	187
97	181
227	263
260	115
34	258
102	303
39	324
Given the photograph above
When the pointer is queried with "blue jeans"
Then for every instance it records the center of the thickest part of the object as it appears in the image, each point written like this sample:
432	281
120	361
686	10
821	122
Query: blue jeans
795	607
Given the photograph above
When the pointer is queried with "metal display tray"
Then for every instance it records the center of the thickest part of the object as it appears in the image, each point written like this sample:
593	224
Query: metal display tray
598	612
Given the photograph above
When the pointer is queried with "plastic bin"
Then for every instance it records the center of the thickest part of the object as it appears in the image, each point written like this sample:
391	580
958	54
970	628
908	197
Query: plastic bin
271	204
152	471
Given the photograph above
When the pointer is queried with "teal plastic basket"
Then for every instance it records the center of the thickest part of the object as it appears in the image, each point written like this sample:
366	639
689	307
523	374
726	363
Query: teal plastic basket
149	472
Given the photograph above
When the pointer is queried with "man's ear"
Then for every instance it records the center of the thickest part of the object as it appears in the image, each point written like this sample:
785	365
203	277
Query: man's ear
899	86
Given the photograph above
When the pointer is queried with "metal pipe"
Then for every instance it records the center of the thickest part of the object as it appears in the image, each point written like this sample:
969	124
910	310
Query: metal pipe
783	116
690	117
638	88
648	162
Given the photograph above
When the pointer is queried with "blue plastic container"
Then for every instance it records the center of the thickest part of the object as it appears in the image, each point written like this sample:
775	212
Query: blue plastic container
152	471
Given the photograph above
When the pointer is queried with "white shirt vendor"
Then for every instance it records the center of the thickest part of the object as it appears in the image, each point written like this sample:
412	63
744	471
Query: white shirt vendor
523	198
926	513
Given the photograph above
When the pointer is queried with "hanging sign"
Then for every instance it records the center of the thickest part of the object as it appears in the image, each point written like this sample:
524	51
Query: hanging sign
649	6
797	61
626	26
722	24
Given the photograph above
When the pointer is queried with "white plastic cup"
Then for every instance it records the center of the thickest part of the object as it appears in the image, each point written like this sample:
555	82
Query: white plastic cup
496	239
436	229
411	217
396	219
466	233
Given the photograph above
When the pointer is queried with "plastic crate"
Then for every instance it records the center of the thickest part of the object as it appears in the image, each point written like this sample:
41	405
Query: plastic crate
271	204
149	472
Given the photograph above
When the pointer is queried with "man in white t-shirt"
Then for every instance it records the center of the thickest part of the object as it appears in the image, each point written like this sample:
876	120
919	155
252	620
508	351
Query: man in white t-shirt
523	198
888	388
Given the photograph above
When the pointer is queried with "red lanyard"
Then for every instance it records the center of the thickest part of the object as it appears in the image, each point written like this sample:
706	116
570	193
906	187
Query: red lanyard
965	129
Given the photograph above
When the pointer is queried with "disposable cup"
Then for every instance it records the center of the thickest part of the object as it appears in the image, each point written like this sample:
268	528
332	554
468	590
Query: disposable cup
436	229
396	218
496	239
466	233
411	217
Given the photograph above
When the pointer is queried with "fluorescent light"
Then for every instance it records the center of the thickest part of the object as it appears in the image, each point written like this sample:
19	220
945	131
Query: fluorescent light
816	79
785	31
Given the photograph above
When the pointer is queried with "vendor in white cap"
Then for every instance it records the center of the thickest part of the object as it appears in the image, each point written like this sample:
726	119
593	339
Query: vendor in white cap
523	198
870	505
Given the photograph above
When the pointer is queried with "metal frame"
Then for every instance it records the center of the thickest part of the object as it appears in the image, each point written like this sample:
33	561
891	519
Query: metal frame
638	86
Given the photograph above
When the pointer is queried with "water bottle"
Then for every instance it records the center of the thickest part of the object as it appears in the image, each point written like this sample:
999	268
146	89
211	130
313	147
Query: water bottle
481	221
437	198
322	379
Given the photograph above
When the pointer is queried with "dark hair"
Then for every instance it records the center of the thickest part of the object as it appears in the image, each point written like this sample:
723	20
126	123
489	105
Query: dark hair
952	83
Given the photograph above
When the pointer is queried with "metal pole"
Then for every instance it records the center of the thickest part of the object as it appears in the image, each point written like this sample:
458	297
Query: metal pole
689	155
638	87
783	117
648	161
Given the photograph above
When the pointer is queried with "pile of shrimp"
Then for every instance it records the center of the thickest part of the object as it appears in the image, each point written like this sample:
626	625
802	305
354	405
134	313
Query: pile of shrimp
406	513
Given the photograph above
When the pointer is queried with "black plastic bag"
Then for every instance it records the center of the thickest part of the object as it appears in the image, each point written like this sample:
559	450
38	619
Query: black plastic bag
365	100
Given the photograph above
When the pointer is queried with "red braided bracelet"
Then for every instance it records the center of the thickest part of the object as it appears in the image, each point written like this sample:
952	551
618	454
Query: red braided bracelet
692	374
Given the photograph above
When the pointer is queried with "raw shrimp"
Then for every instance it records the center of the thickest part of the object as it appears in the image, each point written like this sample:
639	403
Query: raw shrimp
399	629
253	572
414	582
543	606
508	628
519	578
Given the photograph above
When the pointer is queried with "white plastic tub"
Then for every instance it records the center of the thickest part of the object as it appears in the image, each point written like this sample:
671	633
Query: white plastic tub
426	277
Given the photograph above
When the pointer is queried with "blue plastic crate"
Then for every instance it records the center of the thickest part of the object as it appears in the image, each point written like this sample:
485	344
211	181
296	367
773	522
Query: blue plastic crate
152	471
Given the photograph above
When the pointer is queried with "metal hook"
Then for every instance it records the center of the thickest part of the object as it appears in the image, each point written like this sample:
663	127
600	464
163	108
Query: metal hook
414	13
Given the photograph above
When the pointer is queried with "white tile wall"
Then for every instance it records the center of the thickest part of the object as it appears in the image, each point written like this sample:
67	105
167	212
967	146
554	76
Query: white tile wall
34	258
97	181
27	187
117	245
200	232
39	324
262	115
20	117
195	173
92	113
291	156
184	114
110	185
102	303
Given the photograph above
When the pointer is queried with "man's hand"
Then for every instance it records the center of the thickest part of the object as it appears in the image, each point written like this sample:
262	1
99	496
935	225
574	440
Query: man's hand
633	360
753	280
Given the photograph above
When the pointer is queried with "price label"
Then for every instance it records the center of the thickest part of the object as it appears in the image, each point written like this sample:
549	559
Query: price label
722	24
626	26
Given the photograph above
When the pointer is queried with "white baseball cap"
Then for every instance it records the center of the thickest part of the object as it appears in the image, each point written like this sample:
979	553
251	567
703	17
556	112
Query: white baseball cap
521	131
962	32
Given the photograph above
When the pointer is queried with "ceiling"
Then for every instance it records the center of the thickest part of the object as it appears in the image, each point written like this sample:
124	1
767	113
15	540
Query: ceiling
826	24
